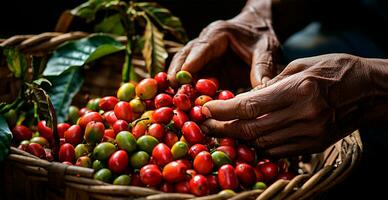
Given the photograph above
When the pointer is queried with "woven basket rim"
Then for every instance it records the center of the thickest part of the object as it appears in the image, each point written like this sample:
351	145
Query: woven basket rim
337	161
307	184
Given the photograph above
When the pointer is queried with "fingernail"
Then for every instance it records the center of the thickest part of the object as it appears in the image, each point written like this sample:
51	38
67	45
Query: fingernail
264	81
205	111
184	66
204	129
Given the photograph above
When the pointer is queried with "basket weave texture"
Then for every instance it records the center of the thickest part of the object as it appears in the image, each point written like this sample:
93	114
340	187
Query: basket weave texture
28	177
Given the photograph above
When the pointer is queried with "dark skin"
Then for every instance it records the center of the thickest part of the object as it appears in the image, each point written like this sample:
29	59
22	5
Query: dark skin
310	105
248	35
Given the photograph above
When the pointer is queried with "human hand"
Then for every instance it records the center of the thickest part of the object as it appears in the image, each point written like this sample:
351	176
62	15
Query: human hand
310	105
249	35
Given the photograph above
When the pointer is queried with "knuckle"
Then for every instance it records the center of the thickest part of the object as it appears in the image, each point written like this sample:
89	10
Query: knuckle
201	44
216	27
214	128
219	24
310	90
308	87
249	131
246	108
183	51
211	125
274	43
177	56
313	111
295	62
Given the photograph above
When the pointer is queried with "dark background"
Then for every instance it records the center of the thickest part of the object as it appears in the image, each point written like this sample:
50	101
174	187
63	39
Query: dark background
32	17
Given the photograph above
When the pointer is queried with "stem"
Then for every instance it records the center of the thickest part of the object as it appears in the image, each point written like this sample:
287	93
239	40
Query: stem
131	41
128	22
127	67
36	115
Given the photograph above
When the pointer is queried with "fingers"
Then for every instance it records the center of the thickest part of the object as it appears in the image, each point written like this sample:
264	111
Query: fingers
177	62
282	136
292	149
292	68
294	140
279	118
249	106
262	69
307	136
299	137
239	129
251	129
199	52
204	51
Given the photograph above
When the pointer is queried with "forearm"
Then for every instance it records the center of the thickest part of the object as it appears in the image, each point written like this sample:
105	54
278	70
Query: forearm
375	108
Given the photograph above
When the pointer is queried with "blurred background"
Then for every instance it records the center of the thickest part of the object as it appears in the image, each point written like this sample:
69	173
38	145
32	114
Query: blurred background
32	17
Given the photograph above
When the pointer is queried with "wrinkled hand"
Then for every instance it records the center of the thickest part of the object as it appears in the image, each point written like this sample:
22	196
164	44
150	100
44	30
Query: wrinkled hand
310	105
248	35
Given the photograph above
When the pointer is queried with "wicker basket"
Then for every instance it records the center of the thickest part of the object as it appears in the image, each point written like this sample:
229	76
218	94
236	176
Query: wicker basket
28	177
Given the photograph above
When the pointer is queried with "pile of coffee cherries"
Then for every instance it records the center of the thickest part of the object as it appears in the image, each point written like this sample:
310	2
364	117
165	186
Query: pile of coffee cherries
149	135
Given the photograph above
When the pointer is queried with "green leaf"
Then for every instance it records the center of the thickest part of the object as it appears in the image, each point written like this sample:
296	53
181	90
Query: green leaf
111	24
89	9
164	19
154	52
17	62
64	88
5	138
79	52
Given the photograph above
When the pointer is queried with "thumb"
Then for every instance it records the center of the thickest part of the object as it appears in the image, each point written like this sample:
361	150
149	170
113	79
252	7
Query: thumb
262	69
235	108
238	129
248	106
